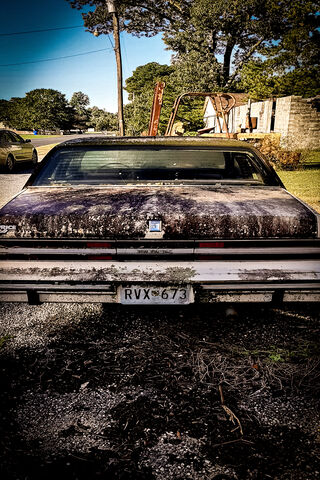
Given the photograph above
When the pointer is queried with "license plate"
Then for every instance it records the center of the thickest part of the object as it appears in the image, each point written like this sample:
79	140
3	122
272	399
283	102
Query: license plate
146	295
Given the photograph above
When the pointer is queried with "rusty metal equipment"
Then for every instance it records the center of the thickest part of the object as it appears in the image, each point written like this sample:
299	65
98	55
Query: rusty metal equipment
222	104
156	109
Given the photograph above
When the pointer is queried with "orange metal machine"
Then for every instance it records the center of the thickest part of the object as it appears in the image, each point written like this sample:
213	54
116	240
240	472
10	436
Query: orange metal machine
156	109
222	104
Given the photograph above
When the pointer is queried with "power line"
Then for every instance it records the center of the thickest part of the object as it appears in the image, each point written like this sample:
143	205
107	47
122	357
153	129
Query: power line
37	31
108	35
125	52
57	58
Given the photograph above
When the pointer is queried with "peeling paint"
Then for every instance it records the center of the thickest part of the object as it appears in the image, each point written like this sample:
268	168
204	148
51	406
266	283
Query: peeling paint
271	274
174	275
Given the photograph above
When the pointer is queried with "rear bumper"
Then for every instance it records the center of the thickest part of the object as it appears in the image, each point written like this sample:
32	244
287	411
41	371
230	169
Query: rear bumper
212	281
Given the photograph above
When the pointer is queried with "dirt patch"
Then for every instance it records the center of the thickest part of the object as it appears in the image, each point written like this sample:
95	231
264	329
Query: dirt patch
93	392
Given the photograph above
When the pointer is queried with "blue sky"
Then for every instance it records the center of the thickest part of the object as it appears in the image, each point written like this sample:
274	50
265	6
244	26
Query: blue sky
93	74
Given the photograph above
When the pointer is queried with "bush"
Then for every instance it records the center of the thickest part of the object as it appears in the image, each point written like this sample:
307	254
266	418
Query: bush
278	157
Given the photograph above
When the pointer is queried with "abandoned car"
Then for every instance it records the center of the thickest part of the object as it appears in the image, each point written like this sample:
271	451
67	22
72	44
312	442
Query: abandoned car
157	220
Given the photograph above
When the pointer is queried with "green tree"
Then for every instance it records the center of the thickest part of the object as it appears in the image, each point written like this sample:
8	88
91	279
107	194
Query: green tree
48	109
100	120
79	102
140	87
45	109
14	113
225	35
4	111
146	76
262	80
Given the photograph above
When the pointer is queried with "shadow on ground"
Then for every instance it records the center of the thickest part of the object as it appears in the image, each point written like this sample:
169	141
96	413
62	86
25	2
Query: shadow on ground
166	394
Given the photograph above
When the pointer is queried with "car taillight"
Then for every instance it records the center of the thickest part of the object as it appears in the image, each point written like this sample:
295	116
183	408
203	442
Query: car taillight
102	246
211	245
208	254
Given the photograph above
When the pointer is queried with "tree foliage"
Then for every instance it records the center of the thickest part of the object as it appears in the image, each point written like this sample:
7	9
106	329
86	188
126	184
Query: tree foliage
45	109
223	35
42	108
80	101
48	109
259	80
100	120
146	76
4	111
140	87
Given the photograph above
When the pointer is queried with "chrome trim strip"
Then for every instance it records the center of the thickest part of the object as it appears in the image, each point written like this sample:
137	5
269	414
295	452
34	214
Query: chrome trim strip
156	251
56	251
258	251
259	286
108	289
160	251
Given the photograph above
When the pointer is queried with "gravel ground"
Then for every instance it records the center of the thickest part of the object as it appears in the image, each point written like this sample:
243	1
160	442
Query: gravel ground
89	391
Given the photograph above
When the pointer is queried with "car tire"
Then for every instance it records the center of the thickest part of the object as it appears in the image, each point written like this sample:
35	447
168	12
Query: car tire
34	158
10	163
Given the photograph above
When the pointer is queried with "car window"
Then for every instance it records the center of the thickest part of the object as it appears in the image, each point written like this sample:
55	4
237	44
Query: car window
95	166
5	138
15	138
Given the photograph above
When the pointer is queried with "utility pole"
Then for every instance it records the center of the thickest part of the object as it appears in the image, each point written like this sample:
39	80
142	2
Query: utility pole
116	35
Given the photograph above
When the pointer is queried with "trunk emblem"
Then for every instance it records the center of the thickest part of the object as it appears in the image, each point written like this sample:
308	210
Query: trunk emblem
155	225
7	228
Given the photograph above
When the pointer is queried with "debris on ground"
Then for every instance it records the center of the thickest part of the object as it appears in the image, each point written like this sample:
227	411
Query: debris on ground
92	391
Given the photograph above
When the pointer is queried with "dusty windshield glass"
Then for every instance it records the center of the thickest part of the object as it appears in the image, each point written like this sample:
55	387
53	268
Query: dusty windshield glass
101	166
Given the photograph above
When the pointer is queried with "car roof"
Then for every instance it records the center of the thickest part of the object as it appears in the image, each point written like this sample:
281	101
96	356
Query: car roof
8	130
156	141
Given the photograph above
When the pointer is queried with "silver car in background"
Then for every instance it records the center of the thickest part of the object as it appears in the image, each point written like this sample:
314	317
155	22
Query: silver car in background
14	149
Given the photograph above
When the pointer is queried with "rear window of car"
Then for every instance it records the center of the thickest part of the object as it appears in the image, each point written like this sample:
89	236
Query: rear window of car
101	166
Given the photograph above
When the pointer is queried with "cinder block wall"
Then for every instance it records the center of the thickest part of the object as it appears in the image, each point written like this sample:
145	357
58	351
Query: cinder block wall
261	110
298	122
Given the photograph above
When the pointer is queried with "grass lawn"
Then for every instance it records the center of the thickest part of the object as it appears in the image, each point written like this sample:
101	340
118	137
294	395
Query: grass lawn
33	137
305	184
310	157
44	149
